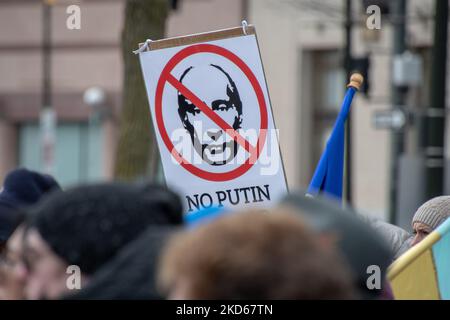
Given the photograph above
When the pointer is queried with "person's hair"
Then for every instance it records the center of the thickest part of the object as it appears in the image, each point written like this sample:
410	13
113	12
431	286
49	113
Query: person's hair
254	255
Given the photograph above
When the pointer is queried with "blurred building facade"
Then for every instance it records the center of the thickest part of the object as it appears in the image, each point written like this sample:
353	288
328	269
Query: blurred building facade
81	59
301	44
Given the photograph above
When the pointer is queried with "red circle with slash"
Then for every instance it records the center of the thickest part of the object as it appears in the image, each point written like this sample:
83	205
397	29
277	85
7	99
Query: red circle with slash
167	77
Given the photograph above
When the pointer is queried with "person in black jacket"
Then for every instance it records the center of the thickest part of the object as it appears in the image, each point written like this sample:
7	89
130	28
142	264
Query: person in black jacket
130	275
21	189
72	235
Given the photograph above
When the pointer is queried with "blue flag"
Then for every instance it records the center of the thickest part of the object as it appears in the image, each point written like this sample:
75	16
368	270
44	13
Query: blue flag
202	216
328	177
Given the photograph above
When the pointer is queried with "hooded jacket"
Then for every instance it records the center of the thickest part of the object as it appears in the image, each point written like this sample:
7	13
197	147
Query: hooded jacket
398	239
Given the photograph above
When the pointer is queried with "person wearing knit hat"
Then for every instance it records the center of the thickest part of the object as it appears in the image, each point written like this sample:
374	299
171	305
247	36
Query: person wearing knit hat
86	227
21	188
429	216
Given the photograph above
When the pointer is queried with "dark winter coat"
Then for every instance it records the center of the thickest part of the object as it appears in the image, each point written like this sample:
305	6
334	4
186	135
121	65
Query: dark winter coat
131	274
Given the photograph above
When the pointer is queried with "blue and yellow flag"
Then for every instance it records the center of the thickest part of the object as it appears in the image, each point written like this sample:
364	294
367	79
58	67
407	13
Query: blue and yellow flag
328	177
423	272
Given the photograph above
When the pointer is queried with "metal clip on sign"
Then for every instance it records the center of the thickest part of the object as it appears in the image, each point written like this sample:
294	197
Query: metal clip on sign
244	26
143	47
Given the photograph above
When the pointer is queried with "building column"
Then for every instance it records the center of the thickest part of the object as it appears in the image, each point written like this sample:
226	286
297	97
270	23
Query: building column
8	148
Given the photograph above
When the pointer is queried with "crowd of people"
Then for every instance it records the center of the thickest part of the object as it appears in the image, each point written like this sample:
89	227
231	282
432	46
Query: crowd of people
133	241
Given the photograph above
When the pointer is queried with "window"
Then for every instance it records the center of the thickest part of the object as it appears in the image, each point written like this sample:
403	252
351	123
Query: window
78	151
328	78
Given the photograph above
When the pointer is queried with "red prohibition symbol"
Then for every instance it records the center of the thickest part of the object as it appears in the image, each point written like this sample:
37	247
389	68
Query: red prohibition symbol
167	77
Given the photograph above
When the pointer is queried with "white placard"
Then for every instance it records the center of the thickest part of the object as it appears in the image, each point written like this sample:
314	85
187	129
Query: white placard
213	122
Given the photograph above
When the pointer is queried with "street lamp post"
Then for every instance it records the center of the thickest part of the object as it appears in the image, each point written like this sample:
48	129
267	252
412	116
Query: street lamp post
95	98
47	115
398	101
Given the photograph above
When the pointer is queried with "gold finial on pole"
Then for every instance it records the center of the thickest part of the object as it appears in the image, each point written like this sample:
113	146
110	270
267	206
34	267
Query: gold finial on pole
356	80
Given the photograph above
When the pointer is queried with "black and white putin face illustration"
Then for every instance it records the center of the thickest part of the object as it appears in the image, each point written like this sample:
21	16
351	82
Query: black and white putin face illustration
217	90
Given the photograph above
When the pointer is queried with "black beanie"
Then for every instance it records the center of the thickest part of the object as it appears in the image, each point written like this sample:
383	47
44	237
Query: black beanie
21	188
26	187
86	226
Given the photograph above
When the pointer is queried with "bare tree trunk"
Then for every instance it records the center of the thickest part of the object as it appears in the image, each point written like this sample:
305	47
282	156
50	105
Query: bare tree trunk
137	154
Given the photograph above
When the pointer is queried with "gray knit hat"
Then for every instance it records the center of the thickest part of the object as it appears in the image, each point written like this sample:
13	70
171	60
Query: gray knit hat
433	212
